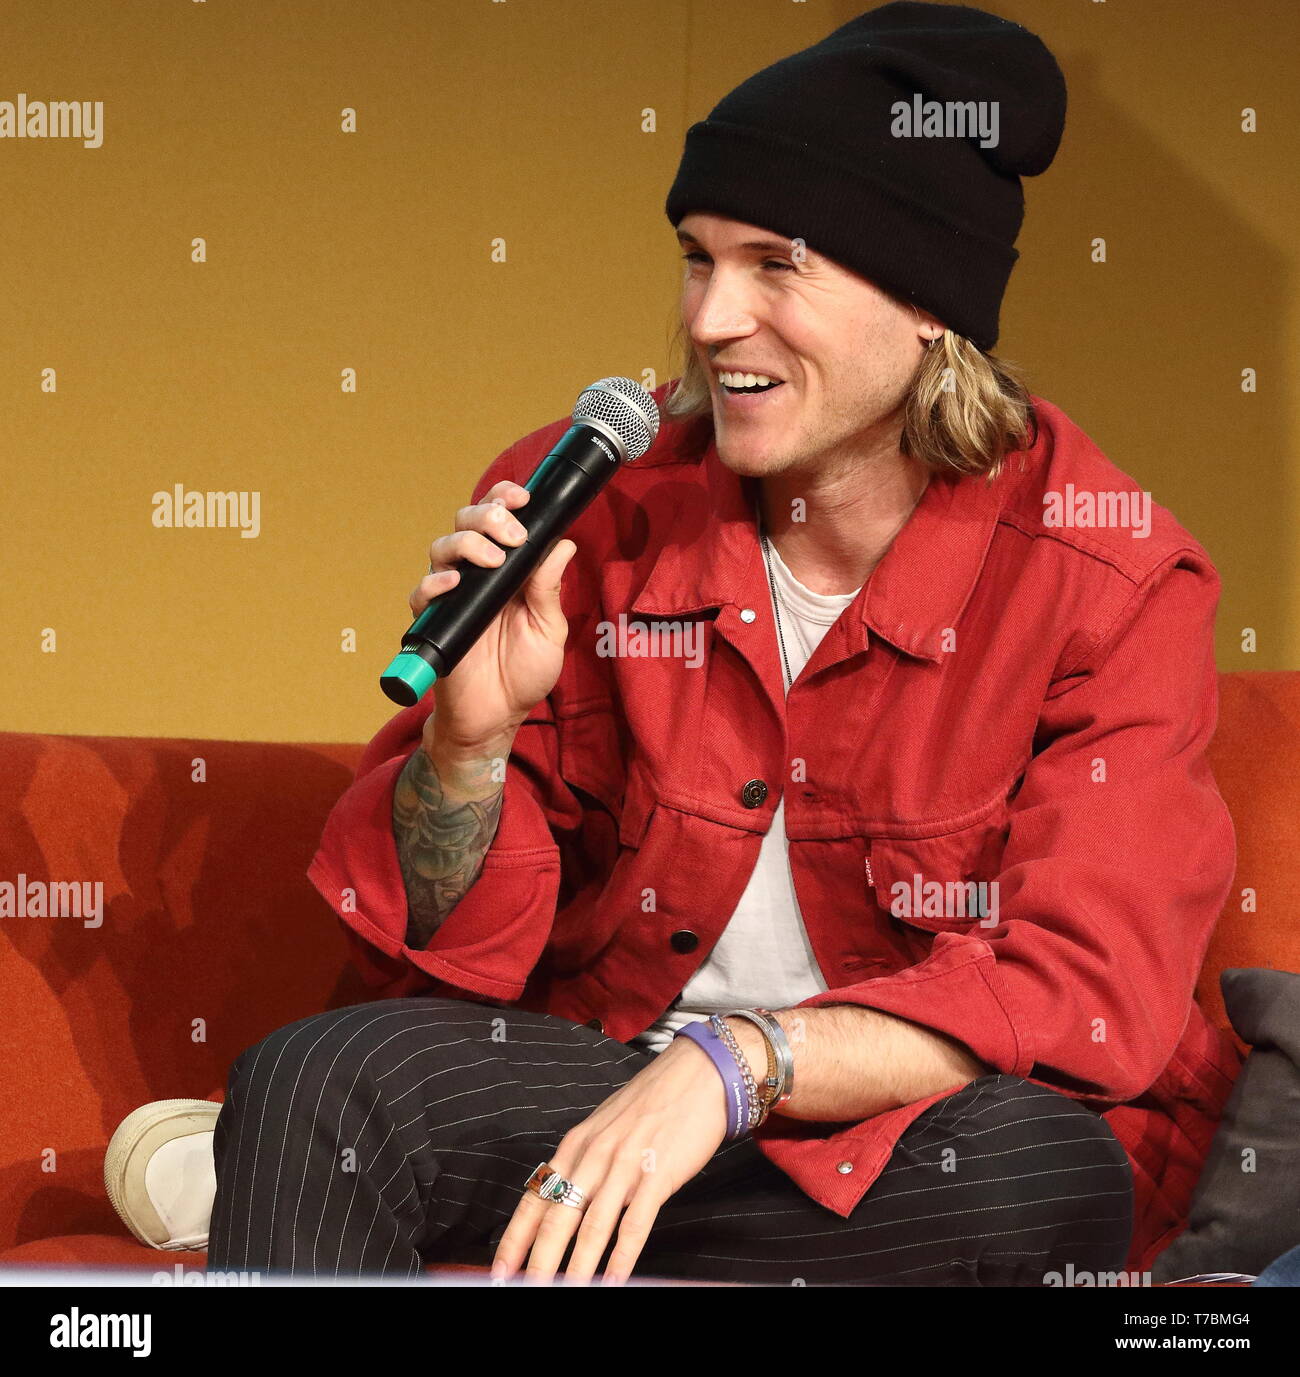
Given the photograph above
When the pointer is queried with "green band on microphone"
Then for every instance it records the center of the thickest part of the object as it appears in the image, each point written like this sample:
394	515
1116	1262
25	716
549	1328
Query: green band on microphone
408	679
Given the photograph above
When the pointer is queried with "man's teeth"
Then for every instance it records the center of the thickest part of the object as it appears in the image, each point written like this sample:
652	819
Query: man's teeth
747	380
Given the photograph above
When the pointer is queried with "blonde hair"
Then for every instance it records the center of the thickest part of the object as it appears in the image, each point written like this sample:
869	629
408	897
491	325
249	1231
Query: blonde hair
964	411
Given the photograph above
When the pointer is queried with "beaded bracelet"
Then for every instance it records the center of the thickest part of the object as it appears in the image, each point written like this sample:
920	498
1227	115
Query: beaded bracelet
742	1061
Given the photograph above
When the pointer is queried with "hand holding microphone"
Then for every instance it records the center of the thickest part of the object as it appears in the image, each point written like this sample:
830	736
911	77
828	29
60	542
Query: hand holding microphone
514	664
509	648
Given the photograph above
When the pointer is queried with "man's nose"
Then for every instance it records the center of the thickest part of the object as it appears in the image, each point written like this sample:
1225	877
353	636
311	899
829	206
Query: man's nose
726	312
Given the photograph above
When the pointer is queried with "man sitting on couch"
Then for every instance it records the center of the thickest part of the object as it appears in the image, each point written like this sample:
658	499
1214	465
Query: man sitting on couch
681	977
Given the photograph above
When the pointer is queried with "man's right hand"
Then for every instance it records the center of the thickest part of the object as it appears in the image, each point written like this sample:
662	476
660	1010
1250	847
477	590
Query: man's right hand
517	660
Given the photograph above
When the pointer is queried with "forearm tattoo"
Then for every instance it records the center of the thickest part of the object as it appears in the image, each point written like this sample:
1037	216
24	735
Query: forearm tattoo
441	842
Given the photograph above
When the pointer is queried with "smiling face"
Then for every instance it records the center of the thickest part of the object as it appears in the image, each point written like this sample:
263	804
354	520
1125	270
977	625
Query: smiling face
841	351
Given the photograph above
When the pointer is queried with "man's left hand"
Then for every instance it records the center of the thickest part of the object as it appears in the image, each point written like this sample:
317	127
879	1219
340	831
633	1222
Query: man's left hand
628	1157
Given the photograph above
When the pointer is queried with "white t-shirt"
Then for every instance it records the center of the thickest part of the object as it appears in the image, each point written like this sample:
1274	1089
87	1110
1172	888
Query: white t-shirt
763	956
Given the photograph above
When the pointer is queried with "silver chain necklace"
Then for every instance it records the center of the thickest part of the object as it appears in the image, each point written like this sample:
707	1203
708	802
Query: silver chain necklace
776	606
771	581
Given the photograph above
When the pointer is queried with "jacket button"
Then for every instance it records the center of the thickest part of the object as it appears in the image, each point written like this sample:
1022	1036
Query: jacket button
844	1168
684	941
754	792
596	1024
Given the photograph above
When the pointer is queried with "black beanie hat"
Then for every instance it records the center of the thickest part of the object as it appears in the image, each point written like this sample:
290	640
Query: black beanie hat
814	147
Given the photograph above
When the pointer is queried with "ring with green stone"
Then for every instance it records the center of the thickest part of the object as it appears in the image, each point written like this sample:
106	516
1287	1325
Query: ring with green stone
547	1183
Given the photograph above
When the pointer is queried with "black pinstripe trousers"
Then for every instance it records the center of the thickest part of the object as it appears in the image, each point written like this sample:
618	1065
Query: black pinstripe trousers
375	1138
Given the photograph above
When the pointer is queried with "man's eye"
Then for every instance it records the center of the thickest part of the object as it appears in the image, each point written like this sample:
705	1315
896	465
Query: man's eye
695	256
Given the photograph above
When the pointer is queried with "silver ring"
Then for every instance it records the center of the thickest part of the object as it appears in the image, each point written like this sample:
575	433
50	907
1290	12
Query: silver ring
547	1183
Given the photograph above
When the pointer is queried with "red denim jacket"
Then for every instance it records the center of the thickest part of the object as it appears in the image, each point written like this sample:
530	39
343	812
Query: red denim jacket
1015	695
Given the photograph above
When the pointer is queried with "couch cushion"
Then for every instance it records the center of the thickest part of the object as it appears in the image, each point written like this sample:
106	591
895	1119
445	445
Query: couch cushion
98	1250
107	1250
1245	1212
1255	756
211	936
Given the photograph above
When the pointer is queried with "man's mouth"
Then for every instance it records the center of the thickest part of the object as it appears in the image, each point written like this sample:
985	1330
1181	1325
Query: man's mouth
739	384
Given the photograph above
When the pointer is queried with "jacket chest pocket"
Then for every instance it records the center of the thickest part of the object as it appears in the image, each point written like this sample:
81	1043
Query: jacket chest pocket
939	884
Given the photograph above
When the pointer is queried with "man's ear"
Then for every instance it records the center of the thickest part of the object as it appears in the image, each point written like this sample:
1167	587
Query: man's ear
928	327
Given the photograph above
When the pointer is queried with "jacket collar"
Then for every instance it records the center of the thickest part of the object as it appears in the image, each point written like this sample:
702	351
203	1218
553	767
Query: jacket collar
918	589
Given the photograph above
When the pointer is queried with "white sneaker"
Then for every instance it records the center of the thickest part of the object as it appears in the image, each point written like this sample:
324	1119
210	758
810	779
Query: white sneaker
159	1172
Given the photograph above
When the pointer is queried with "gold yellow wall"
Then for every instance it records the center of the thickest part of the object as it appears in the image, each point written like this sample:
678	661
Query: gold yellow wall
372	250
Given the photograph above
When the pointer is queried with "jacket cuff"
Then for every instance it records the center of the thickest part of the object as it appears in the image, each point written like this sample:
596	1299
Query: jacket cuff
953	991
836	1168
957	991
490	942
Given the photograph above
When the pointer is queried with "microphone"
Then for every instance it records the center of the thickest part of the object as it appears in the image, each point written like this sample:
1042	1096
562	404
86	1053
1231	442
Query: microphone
615	420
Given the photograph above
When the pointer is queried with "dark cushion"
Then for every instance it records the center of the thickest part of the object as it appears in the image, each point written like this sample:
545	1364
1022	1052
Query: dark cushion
1246	1208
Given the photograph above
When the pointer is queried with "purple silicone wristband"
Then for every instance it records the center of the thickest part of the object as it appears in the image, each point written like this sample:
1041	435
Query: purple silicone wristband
737	1100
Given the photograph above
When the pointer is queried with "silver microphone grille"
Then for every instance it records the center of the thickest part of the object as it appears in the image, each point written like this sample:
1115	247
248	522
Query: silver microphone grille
625	408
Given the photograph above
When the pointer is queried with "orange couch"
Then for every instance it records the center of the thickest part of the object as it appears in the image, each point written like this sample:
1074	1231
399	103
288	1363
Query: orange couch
212	936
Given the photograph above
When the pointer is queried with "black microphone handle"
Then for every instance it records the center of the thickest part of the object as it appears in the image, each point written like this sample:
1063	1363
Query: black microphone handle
562	487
